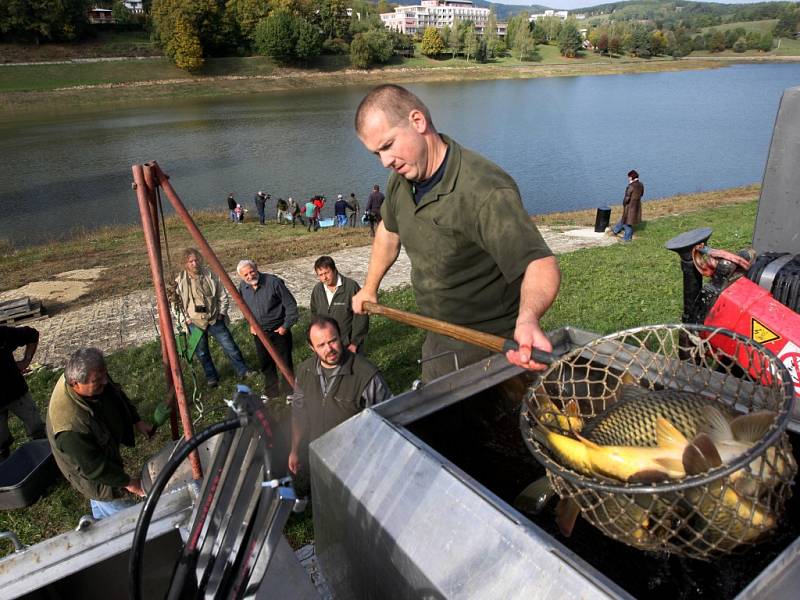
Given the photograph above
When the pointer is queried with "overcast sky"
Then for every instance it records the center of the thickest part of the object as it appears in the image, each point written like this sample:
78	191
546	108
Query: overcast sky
573	4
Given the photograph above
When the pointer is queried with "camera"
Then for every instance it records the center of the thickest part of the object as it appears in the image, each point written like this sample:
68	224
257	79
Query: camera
199	308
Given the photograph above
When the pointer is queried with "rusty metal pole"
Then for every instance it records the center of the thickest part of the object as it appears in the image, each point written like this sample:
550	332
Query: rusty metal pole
217	267
153	205
164	317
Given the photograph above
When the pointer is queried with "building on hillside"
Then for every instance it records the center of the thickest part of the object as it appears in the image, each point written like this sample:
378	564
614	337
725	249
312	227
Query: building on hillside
135	6
561	14
97	16
414	19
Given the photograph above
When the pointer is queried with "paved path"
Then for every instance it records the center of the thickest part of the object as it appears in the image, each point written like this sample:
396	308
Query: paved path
131	320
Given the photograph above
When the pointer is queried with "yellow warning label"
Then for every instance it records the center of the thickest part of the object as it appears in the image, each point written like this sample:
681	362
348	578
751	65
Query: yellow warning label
761	333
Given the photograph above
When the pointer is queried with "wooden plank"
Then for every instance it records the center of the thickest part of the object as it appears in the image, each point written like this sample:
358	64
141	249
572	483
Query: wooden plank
15	304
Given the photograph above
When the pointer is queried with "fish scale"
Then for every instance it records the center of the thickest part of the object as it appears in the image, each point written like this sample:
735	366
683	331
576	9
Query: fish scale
631	421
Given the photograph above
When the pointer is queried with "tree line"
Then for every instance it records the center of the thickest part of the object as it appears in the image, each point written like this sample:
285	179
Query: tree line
189	31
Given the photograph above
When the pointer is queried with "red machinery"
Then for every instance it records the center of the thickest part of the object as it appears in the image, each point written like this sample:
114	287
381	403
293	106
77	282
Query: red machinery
757	296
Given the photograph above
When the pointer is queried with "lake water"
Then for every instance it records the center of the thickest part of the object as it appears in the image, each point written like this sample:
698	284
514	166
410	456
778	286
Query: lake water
568	142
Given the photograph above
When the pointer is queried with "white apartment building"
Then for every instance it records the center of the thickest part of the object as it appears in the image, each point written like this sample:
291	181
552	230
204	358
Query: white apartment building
135	6
436	13
561	14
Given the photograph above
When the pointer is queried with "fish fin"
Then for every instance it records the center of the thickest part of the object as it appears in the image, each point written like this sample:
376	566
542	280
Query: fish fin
653	475
701	455
567	512
753	427
572	409
535	496
718	427
668	436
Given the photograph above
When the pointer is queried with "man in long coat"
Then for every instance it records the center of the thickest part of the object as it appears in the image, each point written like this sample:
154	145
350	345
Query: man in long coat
631	207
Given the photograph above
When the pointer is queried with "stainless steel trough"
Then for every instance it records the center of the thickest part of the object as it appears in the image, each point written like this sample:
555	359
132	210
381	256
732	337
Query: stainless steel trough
412	499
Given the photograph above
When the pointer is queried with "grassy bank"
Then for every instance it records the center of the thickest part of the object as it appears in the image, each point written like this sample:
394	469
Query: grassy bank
34	88
603	290
122	249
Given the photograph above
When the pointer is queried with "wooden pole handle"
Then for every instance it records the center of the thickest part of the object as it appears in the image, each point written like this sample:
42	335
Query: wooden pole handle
495	343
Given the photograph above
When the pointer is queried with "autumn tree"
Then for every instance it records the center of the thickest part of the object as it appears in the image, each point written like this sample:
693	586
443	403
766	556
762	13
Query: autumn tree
184	46
196	24
432	43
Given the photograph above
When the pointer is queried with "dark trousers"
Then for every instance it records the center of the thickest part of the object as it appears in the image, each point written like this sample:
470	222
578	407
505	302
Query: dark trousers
261	215
283	346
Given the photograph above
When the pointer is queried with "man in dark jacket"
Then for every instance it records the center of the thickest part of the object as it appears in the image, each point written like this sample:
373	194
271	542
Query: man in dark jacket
261	205
631	207
331	386
373	210
232	208
88	418
276	310
332	297
14	394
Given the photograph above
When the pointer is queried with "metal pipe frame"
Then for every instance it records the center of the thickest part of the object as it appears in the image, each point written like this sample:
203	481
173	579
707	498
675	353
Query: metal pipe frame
216	266
153	205
164	316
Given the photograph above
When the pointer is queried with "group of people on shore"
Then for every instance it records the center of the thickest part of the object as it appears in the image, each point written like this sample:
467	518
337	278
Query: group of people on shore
477	259
346	211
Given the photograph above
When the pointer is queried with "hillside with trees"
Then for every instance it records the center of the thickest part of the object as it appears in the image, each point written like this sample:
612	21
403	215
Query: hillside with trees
297	32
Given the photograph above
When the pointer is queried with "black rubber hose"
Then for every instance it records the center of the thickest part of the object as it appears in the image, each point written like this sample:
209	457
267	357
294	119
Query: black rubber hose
140	536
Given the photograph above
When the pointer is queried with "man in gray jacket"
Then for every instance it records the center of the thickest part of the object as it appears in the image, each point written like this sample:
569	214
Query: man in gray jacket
204	305
276	311
332	297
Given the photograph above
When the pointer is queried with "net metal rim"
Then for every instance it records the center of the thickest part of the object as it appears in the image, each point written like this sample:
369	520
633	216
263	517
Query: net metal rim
782	419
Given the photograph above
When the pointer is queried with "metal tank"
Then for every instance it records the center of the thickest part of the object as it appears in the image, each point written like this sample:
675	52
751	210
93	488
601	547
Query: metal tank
413	498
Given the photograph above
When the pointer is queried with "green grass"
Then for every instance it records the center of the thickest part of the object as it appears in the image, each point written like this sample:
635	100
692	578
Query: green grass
603	290
25	78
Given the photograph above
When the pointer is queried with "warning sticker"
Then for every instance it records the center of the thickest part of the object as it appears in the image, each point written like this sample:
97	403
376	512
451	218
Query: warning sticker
761	333
790	356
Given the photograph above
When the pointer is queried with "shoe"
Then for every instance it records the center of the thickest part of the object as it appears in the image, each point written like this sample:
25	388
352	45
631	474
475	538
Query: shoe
248	374
610	233
212	383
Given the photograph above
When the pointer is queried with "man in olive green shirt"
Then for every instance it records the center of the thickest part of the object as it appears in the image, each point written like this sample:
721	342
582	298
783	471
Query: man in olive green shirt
477	258
89	416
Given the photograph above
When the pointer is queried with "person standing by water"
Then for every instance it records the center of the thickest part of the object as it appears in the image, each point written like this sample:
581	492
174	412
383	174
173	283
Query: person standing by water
354	209
232	208
295	212
373	209
340	210
631	207
282	211
261	203
311	215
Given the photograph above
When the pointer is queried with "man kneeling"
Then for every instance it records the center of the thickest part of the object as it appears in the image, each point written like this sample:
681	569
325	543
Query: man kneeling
331	386
88	418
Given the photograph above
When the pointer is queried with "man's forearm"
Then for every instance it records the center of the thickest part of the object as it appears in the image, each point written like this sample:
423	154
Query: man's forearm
385	250
540	286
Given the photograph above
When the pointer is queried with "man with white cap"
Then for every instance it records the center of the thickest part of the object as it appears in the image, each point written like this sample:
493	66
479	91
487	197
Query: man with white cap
340	210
